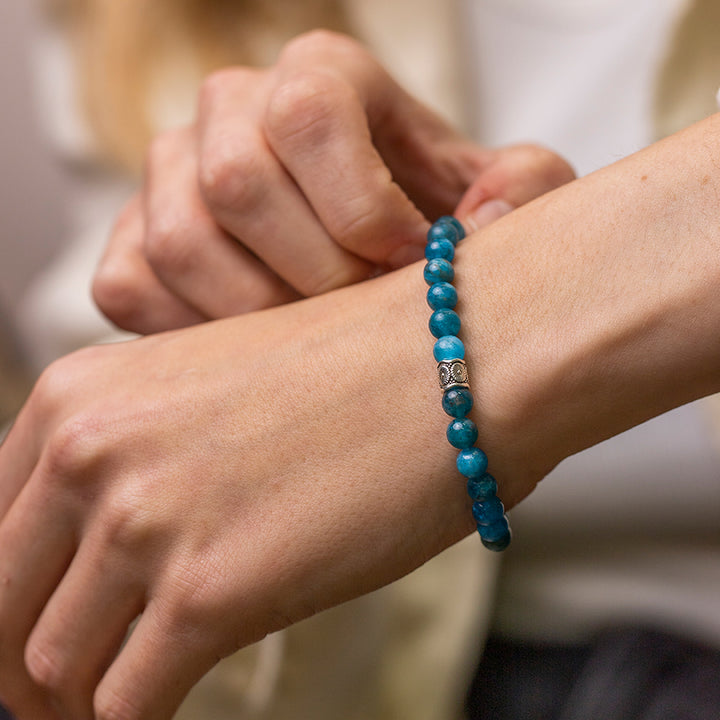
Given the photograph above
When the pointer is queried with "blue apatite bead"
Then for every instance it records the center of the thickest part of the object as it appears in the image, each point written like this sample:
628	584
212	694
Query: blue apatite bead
488	512
472	462
442	295
457	402
450	220
499	539
483	487
462	433
496	531
440	249
444	322
443	231
438	270
449	347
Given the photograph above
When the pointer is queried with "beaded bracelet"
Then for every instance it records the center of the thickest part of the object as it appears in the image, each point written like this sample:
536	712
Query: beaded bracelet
457	401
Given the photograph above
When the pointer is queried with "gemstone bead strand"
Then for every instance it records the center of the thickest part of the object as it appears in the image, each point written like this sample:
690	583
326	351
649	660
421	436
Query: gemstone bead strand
457	401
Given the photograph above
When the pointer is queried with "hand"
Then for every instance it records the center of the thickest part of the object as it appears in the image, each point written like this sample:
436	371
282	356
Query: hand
224	481
311	175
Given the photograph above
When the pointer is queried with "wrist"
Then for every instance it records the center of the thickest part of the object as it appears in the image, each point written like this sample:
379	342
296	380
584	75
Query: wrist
593	308
374	372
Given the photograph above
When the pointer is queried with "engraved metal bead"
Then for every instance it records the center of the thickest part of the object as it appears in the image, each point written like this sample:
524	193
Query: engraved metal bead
452	373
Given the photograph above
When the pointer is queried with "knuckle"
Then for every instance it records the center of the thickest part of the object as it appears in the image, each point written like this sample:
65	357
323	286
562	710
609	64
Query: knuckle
119	293
190	601
129	525
58	381
160	148
216	85
188	617
367	214
167	246
358	219
193	598
74	449
113	705
115	291
167	151
50	390
304	108
46	666
232	176
116	288
326	279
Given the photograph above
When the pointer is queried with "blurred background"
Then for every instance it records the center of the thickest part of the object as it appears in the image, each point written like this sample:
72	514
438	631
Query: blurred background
33	187
33	192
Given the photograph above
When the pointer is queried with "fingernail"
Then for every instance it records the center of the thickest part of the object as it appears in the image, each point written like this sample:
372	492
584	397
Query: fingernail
486	213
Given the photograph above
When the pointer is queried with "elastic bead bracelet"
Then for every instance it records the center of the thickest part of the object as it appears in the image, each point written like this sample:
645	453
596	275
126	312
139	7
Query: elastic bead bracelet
457	401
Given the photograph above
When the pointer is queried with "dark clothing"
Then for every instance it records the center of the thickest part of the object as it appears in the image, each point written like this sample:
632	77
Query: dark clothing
626	674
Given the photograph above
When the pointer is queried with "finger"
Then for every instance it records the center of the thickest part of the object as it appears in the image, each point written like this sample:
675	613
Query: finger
253	198
524	172
512	177
35	706
18	456
154	671
188	251
38	542
83	625
127	290
484	214
317	123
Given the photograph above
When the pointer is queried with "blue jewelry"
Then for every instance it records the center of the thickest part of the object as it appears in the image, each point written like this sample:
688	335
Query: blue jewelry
457	401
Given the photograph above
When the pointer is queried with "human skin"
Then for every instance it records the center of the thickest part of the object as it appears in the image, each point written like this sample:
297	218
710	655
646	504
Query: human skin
231	478
298	179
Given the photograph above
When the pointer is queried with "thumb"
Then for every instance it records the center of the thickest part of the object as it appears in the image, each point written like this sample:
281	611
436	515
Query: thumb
478	216
514	176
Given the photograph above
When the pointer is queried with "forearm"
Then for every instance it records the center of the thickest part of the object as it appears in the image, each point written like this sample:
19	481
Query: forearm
595	307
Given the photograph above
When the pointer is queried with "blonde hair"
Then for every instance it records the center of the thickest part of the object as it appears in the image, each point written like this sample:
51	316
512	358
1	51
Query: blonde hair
119	46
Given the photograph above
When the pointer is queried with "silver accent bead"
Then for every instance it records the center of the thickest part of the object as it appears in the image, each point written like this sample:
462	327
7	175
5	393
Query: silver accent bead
452	373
